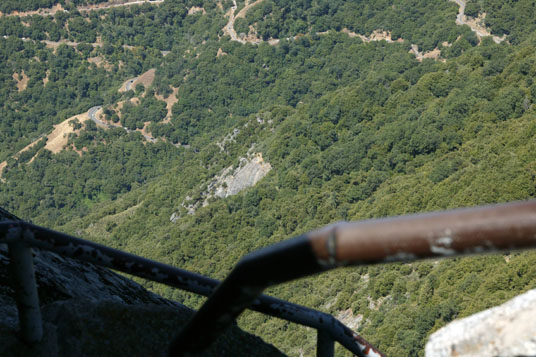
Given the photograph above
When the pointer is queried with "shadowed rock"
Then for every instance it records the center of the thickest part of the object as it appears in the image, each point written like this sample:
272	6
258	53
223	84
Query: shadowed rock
91	311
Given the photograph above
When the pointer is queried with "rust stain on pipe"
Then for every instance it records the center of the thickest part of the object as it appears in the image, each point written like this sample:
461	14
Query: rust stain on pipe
405	238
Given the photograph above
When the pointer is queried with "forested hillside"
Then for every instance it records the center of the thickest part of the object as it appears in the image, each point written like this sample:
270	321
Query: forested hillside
353	124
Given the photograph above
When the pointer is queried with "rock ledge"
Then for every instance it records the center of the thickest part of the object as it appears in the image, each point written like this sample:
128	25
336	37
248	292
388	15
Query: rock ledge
505	330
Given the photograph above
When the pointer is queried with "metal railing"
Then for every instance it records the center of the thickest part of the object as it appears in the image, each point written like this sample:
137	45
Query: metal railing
20	236
408	238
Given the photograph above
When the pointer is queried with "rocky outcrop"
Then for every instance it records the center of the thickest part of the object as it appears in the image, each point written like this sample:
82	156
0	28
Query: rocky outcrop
347	317
107	328
229	182
229	138
62	279
505	330
249	172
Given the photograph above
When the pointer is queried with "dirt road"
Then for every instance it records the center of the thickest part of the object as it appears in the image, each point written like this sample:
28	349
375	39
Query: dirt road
53	10
474	24
92	114
229	28
108	6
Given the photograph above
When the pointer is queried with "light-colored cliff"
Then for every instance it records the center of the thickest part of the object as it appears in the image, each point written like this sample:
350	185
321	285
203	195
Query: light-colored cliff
249	172
229	182
505	330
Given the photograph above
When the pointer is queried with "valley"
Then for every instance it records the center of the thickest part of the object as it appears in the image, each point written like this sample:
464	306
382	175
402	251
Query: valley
195	132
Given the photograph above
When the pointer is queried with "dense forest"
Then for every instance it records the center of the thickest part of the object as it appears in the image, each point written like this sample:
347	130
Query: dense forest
352	130
281	19
9	6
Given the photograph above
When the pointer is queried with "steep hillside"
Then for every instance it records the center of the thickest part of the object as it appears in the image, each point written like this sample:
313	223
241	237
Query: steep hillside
388	165
336	97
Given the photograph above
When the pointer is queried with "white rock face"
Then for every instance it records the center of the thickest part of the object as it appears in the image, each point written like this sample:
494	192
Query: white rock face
248	174
505	330
229	182
60	278
174	217
347	317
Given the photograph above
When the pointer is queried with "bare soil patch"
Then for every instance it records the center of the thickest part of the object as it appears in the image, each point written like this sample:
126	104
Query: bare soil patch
53	10
144	131
117	3
117	108
119	105
57	140
251	36
376	35
100	62
145	79
28	147
242	13
170	101
22	80
3	165
435	54
45	80
196	9
42	12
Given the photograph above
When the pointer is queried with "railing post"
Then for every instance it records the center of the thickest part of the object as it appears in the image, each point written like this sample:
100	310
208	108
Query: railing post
23	278
325	345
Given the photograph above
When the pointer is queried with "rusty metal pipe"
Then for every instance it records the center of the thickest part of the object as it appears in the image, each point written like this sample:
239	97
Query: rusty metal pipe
441	234
407	238
284	261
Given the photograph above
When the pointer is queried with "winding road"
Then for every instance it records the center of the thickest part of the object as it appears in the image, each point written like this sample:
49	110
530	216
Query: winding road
104	6
52	11
480	31
461	19
230	25
92	114
149	138
128	84
461	13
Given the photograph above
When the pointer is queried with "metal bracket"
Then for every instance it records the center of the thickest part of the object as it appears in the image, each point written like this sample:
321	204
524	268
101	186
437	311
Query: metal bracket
23	277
